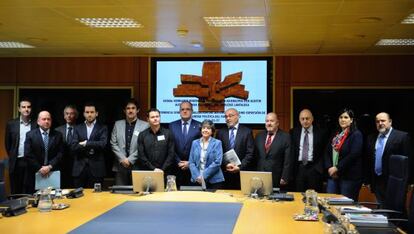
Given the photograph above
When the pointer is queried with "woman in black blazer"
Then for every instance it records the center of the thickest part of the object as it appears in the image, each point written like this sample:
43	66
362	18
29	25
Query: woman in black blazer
343	157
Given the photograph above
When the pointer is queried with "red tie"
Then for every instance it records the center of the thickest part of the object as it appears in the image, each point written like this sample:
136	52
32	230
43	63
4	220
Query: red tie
268	142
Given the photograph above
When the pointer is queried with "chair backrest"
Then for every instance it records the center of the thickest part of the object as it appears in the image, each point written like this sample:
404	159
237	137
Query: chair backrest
411	215
397	183
2	166
2	183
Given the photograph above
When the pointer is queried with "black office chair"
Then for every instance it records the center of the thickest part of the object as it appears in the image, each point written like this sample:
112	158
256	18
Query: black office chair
3	196
396	194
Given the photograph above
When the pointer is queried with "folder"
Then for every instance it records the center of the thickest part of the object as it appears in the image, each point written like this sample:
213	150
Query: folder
53	180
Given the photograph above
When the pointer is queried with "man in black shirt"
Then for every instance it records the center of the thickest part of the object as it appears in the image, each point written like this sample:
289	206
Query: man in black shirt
155	145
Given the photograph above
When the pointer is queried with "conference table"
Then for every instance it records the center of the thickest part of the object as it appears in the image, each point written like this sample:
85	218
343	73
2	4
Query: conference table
255	216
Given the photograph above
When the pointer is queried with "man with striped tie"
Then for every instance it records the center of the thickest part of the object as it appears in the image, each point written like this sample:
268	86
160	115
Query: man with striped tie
43	148
239	138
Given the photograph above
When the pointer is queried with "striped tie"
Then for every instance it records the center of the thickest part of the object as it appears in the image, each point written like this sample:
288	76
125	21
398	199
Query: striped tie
46	144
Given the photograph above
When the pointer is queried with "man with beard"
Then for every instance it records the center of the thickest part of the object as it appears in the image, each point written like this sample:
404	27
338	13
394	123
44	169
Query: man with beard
381	146
124	143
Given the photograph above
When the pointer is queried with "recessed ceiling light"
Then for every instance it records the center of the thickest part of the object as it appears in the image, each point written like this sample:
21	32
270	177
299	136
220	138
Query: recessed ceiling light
369	19
149	44
14	44
110	22
237	21
196	44
243	44
395	42
409	19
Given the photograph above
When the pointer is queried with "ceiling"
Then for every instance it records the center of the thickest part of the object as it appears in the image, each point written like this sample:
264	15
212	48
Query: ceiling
293	27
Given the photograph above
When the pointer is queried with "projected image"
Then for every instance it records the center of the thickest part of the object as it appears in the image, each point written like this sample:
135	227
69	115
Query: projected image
209	89
213	86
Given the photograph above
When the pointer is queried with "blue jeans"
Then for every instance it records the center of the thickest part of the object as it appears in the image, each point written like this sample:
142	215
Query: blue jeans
348	188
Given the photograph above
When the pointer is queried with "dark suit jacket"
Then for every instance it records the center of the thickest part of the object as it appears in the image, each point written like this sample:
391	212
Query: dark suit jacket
278	159
62	130
34	149
398	143
350	157
243	145
93	152
183	146
12	140
319	145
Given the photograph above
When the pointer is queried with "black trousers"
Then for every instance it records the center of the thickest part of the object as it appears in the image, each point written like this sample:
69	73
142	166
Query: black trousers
86	178
308	177
19	178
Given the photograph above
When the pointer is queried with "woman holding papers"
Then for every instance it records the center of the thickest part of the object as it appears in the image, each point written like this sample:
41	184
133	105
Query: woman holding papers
205	158
343	157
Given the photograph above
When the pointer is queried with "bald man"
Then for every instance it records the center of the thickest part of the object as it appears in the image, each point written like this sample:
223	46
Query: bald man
308	144
43	149
239	138
393	142
272	149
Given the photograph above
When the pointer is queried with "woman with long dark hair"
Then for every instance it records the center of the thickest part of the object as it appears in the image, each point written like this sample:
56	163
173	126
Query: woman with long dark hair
343	157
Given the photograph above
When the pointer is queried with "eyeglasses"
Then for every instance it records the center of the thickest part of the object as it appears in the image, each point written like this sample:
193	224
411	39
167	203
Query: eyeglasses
185	109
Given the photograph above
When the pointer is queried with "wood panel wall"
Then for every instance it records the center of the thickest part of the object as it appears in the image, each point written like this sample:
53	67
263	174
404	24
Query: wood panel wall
290	71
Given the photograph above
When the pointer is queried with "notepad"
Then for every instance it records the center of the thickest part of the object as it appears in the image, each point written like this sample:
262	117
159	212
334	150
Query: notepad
354	209
53	180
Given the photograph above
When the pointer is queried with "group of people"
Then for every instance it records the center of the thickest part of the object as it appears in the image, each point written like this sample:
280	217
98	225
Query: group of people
191	150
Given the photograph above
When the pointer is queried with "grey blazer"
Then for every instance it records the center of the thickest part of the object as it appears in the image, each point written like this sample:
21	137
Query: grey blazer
118	142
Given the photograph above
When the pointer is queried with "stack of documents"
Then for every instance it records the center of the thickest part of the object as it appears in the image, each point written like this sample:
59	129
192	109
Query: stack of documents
340	201
354	209
377	220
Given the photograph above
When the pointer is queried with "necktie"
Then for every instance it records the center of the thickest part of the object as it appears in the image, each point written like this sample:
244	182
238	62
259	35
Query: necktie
185	131
305	148
232	138
46	144
378	154
268	142
70	135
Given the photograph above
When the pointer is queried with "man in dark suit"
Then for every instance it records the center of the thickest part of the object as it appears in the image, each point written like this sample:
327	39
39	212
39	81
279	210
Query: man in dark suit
273	151
43	149
240	139
307	143
381	146
70	114
16	130
89	143
184	131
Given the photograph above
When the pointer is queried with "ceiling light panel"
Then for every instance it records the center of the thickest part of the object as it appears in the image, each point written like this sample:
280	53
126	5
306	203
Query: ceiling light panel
110	22
237	21
409	19
245	44
149	44
14	44
395	42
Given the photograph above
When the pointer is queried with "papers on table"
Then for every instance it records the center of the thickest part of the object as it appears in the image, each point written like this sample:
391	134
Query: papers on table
367	219
231	157
354	209
340	201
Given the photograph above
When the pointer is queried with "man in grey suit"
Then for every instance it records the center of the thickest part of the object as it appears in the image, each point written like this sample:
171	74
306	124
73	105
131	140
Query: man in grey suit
273	151
70	114
16	130
124	142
